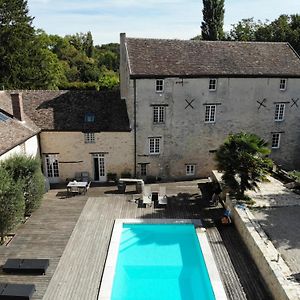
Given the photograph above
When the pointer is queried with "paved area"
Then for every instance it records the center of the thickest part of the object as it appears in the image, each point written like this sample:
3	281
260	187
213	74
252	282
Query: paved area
277	209
274	194
77	251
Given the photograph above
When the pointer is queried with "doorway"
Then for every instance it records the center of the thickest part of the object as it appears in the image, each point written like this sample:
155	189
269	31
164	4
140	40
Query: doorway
99	167
52	168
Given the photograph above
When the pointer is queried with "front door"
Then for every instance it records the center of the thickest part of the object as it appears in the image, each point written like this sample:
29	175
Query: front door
99	167
52	168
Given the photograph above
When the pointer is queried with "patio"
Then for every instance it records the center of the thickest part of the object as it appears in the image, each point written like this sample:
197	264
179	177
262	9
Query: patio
74	234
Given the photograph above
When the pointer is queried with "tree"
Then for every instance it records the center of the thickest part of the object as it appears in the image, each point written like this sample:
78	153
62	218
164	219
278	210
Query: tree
283	29
244	30
243	160
213	20
11	203
26	172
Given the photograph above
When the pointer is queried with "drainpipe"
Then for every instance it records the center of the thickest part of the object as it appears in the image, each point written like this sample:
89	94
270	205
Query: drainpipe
134	125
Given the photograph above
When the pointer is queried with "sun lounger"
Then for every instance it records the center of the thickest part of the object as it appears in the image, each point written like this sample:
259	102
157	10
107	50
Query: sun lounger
162	197
27	266
147	196
16	291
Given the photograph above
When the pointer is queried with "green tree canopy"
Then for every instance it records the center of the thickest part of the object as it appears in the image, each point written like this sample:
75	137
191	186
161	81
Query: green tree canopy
243	160
213	20
283	29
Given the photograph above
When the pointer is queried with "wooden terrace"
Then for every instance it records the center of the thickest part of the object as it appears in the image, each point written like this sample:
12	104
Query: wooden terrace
74	233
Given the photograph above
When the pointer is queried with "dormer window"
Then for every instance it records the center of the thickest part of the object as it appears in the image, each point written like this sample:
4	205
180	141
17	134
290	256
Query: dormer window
89	117
212	84
159	86
282	85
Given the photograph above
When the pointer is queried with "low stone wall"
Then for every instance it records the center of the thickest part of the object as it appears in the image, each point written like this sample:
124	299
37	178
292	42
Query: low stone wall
268	260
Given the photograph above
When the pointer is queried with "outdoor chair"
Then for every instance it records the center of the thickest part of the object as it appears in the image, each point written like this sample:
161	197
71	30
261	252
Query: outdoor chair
162	197
85	177
16	291
26	266
147	196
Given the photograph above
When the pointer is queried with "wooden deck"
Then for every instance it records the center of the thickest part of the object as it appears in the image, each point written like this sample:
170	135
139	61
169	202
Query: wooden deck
77	257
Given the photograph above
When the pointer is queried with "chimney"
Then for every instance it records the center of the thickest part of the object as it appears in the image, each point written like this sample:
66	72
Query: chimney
17	106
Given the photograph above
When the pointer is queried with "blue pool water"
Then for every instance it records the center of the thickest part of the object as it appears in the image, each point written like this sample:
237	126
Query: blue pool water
160	262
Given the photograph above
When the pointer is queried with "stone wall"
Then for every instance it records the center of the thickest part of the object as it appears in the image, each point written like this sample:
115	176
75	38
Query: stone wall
269	262
74	155
187	139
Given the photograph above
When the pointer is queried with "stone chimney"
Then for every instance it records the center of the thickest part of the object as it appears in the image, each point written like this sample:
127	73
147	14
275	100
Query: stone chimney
17	106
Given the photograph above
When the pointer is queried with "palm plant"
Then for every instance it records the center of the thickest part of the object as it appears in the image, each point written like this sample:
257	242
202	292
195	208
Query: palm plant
243	159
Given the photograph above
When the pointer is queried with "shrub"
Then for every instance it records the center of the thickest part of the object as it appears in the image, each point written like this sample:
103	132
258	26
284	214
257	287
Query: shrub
11	203
112	177
125	174
26	170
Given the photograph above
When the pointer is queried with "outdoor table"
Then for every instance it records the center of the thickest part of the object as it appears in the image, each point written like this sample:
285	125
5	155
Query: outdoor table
80	185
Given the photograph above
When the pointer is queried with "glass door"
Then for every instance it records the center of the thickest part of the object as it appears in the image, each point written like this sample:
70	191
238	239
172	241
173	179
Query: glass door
99	167
52	168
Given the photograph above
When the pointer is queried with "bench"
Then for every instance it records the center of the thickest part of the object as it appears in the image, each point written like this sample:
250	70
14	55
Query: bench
12	291
26	266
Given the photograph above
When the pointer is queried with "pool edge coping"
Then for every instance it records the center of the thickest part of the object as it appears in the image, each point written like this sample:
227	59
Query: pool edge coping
106	284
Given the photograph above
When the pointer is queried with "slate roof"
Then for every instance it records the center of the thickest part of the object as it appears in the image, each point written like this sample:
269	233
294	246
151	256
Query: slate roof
65	110
12	131
186	58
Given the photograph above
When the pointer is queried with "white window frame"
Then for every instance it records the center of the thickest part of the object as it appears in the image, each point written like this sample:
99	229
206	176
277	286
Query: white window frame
282	84
210	113
154	145
276	140
279	111
190	169
212	85
89	138
159	85
159	114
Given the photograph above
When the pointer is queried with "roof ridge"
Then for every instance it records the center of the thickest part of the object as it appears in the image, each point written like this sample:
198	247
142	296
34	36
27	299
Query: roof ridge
205	41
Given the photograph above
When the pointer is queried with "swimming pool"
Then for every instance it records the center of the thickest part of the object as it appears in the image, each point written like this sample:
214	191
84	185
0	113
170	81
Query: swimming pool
158	261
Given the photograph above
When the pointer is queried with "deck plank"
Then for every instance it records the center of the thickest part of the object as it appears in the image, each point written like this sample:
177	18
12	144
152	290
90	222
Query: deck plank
74	234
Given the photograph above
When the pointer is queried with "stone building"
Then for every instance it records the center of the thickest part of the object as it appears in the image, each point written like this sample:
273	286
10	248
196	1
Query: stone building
76	131
81	131
18	133
185	97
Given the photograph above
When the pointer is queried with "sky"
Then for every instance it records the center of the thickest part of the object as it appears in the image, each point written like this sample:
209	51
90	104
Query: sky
180	19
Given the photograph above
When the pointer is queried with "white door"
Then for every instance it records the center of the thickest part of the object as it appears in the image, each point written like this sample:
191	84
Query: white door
99	167
52	168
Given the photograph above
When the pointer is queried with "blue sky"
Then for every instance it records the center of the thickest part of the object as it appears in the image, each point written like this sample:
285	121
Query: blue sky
144	18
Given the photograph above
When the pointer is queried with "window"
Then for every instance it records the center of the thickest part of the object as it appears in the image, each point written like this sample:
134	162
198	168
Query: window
279	111
154	145
282	85
143	169
212	84
158	114
159	85
275	140
210	113
89	138
190	169
89	118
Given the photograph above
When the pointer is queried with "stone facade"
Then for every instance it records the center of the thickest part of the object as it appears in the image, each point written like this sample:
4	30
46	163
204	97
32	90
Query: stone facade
241	103
74	155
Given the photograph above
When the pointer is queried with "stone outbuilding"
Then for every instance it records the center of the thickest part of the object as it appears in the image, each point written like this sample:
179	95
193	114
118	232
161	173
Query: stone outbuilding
76	131
18	133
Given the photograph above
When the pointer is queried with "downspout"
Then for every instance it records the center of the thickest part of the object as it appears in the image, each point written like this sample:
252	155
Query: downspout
134	125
